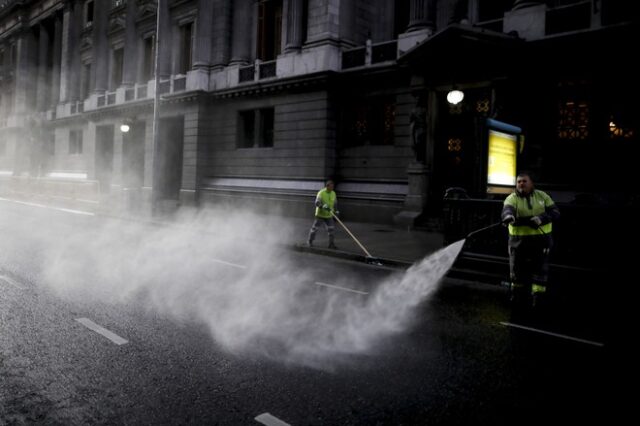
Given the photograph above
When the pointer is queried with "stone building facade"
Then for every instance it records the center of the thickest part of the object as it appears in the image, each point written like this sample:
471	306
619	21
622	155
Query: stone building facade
258	101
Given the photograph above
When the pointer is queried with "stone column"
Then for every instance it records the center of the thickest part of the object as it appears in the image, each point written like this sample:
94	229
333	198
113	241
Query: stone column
460	12
222	33
164	38
57	61
43	69
70	62
347	21
131	58
295	26
76	60
242	32
69	48
100	46
25	71
421	15
419	172
204	35
383	21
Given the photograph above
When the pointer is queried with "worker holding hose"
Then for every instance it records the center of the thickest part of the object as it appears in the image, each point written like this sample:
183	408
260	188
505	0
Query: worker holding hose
529	213
326	206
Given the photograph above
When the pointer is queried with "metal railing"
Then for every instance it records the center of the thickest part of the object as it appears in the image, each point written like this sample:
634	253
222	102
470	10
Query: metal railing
164	87
354	57
246	73
267	69
370	54
180	84
129	94
141	92
580	240
382	52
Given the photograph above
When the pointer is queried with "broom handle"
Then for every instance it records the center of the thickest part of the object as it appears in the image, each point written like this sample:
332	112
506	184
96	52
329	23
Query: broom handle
352	236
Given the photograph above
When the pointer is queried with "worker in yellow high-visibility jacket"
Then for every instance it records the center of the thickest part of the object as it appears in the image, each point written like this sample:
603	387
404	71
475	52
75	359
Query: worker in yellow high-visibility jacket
326	206
529	213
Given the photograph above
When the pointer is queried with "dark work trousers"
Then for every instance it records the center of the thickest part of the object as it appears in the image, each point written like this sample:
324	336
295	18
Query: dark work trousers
529	260
328	223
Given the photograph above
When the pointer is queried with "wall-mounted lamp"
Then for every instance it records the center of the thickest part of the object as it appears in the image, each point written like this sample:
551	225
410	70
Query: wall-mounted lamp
455	96
124	128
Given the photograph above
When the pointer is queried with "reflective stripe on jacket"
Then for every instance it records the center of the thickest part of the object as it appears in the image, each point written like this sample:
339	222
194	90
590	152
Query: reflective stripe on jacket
523	208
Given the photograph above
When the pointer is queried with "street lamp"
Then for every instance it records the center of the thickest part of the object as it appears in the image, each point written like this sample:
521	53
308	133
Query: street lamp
455	96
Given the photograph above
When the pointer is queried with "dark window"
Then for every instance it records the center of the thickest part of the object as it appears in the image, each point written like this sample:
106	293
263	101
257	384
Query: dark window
116	70
186	48
89	13
305	20
75	142
266	117
9	101
247	129
489	10
85	81
269	29
369	122
401	17
256	128
616	11
148	66
568	15
51	144
14	55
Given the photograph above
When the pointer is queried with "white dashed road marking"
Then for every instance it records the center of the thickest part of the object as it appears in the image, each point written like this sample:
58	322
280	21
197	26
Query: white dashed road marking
337	287
549	333
269	420
235	265
101	330
49	207
11	282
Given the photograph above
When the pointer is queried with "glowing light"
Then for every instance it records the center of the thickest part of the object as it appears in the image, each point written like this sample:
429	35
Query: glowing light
455	97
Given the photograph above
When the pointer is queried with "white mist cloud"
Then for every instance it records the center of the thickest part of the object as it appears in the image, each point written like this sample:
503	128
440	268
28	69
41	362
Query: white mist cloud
230	272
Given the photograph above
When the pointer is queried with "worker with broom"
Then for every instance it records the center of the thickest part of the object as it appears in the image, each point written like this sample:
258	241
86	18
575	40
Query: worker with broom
529	213
326	207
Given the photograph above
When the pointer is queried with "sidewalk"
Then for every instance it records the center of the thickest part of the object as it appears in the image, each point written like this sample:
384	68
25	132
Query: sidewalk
393	246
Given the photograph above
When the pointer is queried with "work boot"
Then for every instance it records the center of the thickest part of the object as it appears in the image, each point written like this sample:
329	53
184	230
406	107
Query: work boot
538	296
517	293
332	246
519	301
309	243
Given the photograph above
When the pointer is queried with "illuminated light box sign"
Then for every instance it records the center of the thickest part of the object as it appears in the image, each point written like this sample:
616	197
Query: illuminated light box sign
503	154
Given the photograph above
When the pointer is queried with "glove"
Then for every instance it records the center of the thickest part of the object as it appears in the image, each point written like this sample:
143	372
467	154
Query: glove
325	207
536	221
508	219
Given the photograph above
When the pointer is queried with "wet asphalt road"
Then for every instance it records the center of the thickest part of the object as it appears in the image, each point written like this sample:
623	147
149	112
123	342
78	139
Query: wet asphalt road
456	363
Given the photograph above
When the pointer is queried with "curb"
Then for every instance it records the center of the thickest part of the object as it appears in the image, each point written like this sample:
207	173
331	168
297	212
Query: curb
354	257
